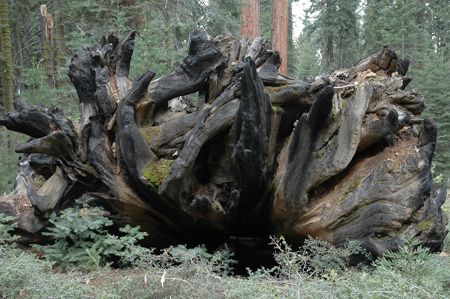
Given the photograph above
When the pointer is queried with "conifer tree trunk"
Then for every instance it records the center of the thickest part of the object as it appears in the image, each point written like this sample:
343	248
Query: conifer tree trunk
20	62
280	31
329	50
60	48
251	19
290	41
329	47
47	50
8	75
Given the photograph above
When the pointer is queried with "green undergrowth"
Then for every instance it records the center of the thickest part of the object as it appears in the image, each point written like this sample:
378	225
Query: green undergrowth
80	239
446	209
314	270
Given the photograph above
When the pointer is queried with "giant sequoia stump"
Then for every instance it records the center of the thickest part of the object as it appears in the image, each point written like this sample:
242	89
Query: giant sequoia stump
335	157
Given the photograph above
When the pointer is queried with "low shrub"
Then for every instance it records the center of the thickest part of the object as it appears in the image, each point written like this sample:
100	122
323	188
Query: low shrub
411	272
7	225
315	257
316	270
81	240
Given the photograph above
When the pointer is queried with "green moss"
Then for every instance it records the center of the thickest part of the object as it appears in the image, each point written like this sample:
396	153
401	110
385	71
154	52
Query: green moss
424	225
320	154
352	188
156	172
149	132
358	211
272	89
275	108
334	116
39	181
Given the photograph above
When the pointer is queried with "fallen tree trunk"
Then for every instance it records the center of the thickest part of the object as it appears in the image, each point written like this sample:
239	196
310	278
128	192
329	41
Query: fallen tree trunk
337	157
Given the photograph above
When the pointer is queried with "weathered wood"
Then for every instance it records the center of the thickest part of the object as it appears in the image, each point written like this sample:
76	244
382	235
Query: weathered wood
252	132
269	73
28	119
189	77
335	157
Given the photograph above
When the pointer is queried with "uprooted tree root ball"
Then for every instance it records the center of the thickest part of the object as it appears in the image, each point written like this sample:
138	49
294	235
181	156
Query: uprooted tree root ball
339	158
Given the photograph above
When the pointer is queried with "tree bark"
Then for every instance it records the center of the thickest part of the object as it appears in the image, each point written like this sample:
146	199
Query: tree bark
8	75
251	19
329	48
280	31
61	50
47	46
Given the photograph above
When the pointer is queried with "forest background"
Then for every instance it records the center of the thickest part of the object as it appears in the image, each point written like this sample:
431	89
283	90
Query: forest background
37	45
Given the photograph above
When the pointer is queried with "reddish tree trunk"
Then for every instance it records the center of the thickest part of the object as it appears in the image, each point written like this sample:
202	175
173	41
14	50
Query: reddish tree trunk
280	31
250	19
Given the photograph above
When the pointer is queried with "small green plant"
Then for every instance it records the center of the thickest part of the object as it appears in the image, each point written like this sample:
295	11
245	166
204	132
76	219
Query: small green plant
446	209
413	262
80	238
315	257
410	272
7	225
182	257
219	262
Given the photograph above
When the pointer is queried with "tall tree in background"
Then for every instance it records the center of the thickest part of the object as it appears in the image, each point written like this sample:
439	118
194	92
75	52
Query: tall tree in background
280	31
47	49
434	71
59	37
7	161
8	74
417	30
326	24
223	13
291	53
334	26
266	18
251	19
373	23
266	31
53	46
